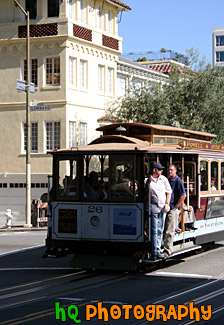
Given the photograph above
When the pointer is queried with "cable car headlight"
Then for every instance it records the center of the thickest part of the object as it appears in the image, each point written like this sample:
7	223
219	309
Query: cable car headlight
95	221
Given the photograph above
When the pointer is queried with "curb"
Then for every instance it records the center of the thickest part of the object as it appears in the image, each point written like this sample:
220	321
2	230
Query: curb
17	229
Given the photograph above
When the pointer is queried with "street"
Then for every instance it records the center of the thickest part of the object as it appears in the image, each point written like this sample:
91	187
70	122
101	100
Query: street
47	291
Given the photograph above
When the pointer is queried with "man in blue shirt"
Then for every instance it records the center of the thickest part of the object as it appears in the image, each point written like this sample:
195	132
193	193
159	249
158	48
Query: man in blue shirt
177	198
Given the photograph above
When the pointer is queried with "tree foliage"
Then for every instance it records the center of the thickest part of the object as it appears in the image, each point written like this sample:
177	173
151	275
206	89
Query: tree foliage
192	100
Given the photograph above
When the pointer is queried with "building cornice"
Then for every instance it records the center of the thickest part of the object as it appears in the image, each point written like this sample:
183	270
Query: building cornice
119	4
141	71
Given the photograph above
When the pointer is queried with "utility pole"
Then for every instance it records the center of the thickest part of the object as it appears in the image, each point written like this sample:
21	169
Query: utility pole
28	161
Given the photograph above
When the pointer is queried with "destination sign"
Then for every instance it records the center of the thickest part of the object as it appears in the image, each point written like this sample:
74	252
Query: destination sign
67	221
203	145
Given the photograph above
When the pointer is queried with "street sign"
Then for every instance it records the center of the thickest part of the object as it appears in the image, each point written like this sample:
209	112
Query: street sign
33	103
40	107
21	86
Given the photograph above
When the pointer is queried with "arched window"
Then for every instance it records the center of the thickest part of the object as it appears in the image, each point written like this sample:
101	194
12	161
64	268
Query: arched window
222	175
214	176
204	175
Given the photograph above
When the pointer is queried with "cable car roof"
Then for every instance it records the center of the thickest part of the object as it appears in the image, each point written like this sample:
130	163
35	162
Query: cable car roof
120	143
113	126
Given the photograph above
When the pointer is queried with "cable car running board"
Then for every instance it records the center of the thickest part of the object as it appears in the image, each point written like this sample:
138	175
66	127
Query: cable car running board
173	255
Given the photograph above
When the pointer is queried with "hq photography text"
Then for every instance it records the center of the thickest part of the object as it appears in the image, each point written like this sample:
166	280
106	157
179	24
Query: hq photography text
125	311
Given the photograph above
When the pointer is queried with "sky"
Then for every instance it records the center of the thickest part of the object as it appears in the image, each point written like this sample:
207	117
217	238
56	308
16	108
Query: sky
175	25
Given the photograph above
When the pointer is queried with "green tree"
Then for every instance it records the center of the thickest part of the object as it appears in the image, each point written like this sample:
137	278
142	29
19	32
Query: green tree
196	100
191	99
145	105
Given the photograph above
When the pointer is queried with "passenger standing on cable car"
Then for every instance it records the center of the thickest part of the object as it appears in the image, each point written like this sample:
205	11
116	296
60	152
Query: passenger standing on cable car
177	198
160	195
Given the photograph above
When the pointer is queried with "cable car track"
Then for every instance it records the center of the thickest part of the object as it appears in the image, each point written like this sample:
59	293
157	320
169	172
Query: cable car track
42	291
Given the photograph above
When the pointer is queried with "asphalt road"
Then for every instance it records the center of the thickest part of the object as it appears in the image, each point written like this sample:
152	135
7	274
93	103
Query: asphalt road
37	291
11	241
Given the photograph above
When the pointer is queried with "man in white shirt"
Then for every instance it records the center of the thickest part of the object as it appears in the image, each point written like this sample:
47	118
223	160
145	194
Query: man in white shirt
160	195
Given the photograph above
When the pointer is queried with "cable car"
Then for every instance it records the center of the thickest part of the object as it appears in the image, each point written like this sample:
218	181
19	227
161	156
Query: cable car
98	197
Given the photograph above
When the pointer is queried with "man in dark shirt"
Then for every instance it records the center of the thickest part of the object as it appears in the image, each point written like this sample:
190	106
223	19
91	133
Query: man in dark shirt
177	198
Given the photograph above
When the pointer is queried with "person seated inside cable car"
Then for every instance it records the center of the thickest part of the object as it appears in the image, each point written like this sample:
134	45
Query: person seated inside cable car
66	185
101	190
204	181
213	187
222	184
93	177
121	187
133	189
90	194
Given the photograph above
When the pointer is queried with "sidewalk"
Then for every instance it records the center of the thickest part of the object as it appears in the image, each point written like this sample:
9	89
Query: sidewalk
22	228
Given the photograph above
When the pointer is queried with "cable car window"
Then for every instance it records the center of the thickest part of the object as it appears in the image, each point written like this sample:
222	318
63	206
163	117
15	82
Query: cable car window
67	187
136	130
123	182
159	140
189	170
214	176
204	175
96	178
222	176
94	164
172	140
215	207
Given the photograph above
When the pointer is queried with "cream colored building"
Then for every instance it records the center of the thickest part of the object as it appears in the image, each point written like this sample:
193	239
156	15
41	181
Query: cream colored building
77	71
74	52
134	75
